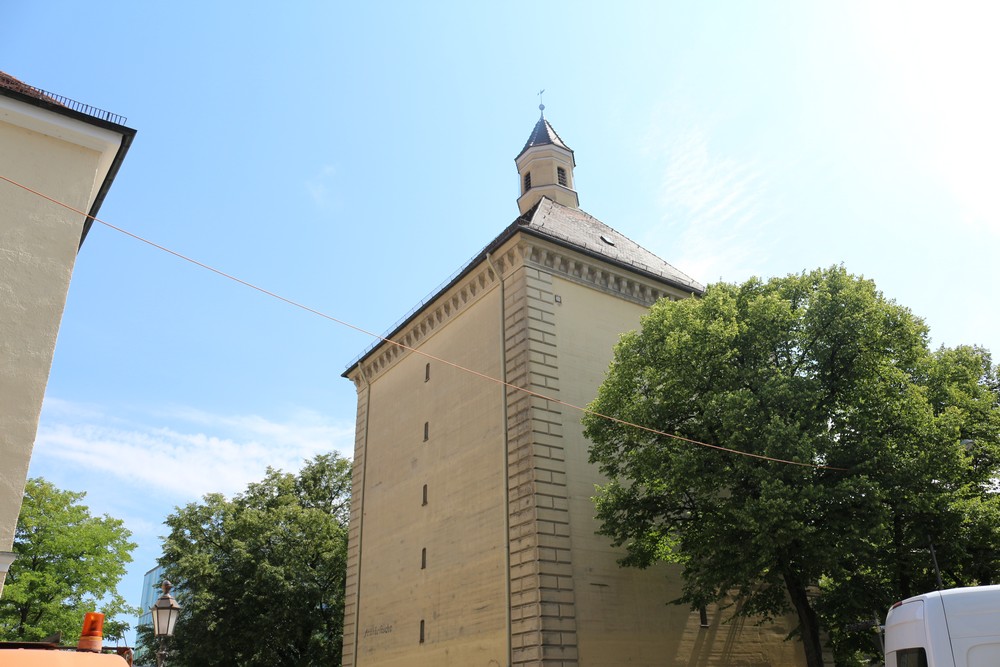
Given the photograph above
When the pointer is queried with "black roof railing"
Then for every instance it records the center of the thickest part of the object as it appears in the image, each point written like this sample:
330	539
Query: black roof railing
410	313
85	109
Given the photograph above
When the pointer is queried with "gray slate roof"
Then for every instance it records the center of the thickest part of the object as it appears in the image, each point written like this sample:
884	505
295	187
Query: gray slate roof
568	227
578	229
541	135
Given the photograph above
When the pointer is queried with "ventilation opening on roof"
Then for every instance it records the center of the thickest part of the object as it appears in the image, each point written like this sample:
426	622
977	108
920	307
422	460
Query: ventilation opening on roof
607	240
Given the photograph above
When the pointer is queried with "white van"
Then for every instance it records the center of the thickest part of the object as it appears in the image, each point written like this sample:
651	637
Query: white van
959	627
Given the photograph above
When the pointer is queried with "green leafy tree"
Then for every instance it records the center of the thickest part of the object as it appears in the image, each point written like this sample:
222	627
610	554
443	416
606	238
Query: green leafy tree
261	577
68	563
898	446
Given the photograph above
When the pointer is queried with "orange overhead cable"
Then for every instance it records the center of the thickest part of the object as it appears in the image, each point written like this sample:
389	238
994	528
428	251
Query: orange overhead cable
427	355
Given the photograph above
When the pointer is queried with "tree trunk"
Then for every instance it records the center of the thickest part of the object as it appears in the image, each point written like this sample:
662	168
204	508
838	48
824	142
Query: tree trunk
808	623
900	556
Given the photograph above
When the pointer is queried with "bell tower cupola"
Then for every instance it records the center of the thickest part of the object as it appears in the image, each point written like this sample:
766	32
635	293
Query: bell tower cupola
545	168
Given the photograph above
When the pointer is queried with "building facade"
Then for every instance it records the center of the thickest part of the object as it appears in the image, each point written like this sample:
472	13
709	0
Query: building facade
151	581
472	537
71	153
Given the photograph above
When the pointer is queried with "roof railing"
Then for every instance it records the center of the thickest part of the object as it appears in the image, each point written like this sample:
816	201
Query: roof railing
412	311
85	109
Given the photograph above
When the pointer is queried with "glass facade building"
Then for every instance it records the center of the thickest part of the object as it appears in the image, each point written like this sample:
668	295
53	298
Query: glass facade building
146	655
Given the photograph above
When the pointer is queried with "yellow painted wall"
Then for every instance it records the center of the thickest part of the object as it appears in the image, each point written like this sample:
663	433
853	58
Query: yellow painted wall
543	162
461	593
570	602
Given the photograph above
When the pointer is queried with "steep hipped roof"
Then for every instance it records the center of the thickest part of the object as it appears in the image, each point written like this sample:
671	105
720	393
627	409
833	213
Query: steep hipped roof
581	231
570	228
541	135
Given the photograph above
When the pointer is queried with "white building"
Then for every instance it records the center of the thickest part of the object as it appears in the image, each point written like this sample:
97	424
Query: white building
69	152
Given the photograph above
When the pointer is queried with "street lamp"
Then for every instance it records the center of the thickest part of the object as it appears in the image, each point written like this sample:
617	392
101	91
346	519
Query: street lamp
165	612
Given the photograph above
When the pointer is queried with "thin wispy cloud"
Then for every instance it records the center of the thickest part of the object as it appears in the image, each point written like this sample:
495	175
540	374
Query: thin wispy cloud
64	409
199	453
322	187
710	205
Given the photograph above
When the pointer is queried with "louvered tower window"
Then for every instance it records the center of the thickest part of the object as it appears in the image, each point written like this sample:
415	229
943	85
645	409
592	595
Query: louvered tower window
527	181
561	174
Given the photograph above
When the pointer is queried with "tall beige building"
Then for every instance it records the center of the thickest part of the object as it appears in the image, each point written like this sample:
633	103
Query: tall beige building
70	152
472	537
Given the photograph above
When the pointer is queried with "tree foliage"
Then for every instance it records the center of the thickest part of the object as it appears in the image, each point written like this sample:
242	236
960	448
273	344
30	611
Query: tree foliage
68	563
261	577
901	446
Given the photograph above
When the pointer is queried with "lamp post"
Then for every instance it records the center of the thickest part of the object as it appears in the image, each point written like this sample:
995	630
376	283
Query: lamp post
165	612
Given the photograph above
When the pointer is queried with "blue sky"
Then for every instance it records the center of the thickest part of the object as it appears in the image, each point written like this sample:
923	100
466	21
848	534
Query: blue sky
351	156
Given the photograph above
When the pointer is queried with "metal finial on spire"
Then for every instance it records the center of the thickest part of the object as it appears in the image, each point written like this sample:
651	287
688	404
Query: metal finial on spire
541	107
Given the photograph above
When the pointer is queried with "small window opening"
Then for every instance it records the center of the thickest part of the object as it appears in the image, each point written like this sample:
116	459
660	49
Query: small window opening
561	174
421	631
423	558
427	372
527	181
425	495
427	431
703	615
